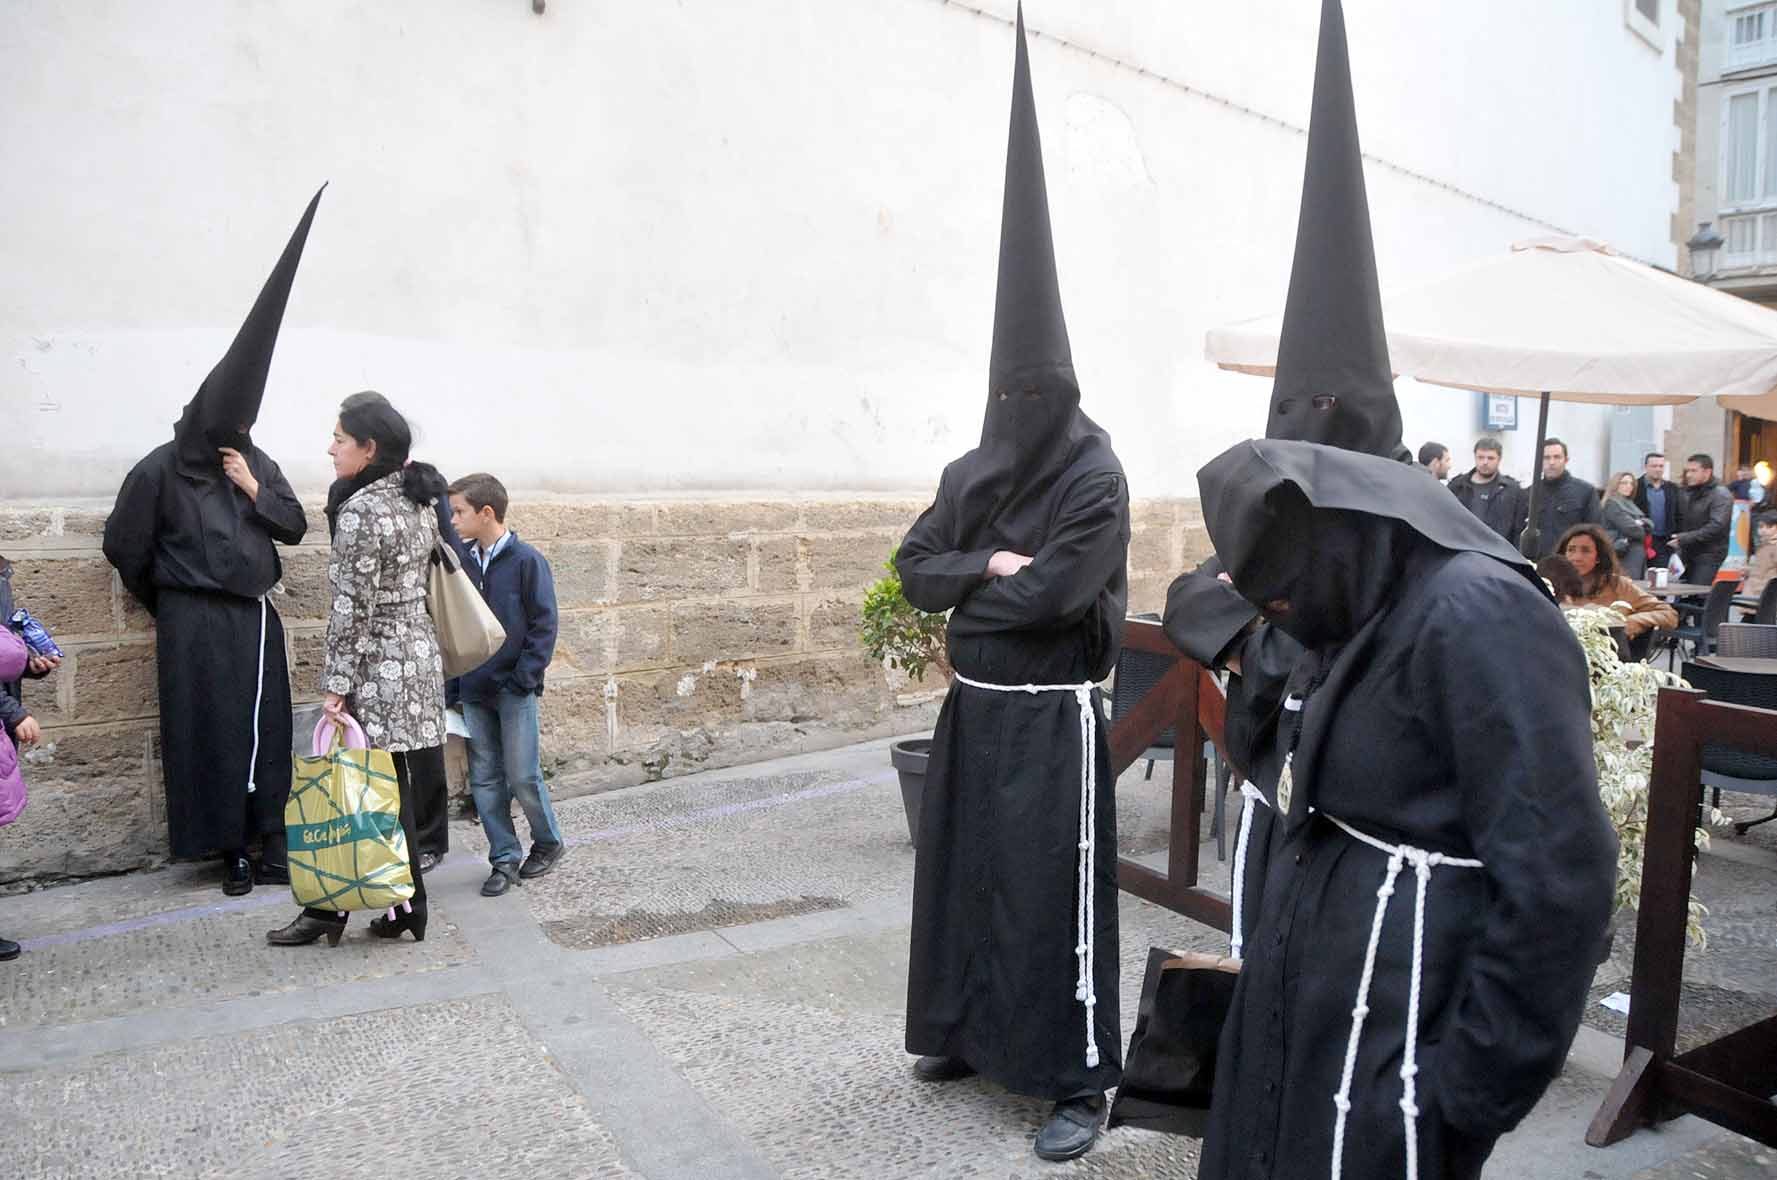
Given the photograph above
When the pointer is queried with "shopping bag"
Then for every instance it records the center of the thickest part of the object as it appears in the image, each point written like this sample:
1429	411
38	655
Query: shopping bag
468	632
343	824
1171	1064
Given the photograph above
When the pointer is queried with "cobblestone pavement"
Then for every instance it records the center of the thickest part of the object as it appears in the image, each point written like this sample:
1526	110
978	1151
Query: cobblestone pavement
710	986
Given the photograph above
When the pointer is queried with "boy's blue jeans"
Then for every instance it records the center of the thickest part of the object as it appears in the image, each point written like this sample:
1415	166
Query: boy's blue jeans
504	765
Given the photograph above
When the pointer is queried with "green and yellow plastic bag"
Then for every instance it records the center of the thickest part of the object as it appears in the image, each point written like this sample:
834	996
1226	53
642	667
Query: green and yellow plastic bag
343	825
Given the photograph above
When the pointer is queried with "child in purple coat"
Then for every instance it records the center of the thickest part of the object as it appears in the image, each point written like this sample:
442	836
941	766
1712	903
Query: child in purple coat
17	727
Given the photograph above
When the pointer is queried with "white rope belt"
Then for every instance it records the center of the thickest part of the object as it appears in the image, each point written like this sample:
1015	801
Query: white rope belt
1398	856
1083	949
1252	799
1423	863
258	698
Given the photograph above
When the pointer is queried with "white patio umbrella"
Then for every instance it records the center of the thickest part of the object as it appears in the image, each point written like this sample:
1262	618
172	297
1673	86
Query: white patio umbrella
1567	319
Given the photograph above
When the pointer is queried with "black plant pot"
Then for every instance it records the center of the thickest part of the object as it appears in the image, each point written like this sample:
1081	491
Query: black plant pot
909	758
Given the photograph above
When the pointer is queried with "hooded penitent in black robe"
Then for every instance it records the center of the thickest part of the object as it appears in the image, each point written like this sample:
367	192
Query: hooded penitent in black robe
994	976
199	555
1413	722
1391	696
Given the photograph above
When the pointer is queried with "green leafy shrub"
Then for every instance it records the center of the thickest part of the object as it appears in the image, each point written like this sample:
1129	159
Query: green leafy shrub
898	633
1624	700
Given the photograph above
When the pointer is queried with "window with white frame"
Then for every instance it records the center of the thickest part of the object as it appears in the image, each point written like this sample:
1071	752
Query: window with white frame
1748	205
1752	37
1643	17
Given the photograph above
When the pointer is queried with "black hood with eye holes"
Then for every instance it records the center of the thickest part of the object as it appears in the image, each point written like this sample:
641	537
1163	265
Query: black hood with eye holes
226	405
1033	433
1334	384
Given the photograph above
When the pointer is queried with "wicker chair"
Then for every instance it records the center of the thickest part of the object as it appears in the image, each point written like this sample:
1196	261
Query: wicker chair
1746	639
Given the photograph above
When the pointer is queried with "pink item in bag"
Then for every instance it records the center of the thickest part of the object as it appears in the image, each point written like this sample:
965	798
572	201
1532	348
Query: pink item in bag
13	657
351	735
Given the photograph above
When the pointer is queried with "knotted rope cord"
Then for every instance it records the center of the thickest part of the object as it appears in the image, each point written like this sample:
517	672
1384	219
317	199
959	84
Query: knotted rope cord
1252	799
1084	948
258	698
1423	863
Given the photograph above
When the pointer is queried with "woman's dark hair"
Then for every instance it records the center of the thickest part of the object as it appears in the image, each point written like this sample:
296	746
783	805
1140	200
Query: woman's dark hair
1559	573
369	417
1605	572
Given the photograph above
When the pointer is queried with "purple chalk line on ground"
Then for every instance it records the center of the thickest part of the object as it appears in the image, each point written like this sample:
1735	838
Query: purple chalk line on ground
188	914
215	909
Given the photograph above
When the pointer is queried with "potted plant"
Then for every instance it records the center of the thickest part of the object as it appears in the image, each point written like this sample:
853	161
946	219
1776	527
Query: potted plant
1624	699
911	641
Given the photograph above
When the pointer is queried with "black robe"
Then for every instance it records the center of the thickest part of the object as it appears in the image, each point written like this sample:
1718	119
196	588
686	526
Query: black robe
199	555
995	906
1428	731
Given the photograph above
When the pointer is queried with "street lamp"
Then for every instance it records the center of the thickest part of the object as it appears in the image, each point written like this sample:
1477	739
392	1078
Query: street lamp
1704	247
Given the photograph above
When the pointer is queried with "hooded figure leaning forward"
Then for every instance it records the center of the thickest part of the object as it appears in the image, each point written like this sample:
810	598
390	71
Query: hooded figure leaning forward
192	538
1013	969
1424	870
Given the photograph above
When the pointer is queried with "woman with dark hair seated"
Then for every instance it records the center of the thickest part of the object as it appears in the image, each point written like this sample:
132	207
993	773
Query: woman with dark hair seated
1589	550
382	661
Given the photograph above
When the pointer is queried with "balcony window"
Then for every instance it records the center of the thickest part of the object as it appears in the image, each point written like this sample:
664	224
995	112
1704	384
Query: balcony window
1752	37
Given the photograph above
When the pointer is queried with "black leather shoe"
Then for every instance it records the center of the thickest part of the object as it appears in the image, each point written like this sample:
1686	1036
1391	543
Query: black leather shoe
429	861
499	881
543	857
306	929
942	1069
240	876
9	950
1071	1131
266	873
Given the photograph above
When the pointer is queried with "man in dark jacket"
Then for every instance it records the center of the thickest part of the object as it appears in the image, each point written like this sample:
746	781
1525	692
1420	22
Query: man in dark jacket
1658	501
1496	499
1704	511
1563	501
500	698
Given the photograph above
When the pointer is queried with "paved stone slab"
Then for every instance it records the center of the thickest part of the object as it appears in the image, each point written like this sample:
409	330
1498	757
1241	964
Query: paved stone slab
814	1032
459	1089
1732	1158
214	956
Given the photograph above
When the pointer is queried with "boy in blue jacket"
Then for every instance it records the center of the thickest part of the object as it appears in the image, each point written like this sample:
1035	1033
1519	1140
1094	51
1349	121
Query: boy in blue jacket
500	698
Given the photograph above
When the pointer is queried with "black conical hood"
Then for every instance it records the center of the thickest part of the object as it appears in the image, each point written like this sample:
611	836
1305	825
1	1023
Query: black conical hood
1029	332
229	397
1332	344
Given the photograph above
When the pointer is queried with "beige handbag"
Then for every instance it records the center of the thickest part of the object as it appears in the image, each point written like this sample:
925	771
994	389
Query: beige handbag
468	632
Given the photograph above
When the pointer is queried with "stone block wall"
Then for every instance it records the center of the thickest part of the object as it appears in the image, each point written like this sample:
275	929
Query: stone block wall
695	633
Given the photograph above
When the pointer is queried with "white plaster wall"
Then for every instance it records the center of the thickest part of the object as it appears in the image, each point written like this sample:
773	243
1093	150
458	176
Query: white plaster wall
650	246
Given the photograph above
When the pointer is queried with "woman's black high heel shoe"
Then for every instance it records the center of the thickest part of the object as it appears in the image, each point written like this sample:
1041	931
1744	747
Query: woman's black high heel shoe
406	918
306	929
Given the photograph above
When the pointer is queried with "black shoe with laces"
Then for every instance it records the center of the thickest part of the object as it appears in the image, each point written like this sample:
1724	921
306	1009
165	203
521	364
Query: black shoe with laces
499	881
543	857
1071	1131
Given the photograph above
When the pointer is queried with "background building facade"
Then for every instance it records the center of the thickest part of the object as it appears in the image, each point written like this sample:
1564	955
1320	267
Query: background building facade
710	286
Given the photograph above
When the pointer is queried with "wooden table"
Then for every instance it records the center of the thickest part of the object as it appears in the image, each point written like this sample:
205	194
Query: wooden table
1755	665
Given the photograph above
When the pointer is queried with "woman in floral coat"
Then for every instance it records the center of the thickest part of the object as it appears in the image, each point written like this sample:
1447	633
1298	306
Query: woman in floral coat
382	661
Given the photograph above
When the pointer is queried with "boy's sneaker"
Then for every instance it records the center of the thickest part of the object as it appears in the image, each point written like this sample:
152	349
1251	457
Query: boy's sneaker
543	857
499	881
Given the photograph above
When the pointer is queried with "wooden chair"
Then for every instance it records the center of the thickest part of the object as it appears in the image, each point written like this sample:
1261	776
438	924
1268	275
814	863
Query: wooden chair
1724	768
